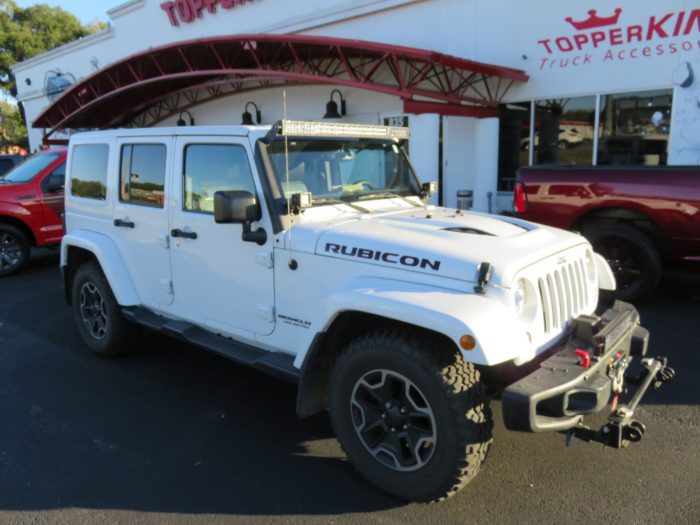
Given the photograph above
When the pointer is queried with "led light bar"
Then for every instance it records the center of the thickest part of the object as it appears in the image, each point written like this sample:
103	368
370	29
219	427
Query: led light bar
302	128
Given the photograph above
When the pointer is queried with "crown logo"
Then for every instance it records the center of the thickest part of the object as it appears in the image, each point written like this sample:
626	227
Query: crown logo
594	20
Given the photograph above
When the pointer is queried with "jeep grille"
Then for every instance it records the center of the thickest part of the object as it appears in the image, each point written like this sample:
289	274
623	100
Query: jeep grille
564	294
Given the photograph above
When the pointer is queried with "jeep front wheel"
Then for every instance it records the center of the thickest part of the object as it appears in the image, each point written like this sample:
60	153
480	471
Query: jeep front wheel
97	314
410	413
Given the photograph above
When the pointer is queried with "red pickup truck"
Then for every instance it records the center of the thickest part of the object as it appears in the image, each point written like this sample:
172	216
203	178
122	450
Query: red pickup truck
639	218
31	207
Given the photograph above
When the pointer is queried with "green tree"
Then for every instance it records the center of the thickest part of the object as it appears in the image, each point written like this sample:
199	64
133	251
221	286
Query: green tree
28	32
13	132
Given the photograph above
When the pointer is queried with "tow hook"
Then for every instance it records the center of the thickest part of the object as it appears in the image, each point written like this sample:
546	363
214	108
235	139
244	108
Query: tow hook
622	428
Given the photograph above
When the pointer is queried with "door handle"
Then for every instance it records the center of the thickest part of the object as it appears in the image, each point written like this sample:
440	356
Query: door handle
180	233
123	223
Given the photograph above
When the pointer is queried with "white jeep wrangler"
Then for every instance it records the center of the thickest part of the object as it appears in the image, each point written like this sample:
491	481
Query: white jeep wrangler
308	250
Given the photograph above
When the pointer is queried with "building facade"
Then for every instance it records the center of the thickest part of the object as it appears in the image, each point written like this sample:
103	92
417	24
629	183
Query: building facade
607	83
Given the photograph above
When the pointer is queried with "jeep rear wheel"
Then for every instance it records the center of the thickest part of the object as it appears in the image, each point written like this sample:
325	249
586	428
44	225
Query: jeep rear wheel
14	249
410	413
97	314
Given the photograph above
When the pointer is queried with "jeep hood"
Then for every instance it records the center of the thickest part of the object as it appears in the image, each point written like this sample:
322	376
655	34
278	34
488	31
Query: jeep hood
438	241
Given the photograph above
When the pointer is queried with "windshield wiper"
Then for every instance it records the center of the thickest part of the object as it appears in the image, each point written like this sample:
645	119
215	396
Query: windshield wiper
336	201
387	195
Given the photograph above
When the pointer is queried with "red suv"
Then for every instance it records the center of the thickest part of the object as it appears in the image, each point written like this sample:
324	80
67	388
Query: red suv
31	207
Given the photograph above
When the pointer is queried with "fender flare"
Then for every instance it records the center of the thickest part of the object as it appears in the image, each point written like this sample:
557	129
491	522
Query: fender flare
606	278
497	329
111	262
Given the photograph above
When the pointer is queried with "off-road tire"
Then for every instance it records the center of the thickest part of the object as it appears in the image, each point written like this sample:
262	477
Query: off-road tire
453	389
627	249
15	240
119	334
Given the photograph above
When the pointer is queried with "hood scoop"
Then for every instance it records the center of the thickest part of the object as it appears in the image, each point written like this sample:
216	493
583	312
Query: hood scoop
466	229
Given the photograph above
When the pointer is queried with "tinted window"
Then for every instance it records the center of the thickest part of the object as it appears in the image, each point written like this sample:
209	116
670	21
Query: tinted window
89	171
214	167
142	179
31	167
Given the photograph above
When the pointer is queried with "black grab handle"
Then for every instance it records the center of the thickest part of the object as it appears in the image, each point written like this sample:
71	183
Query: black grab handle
180	233
123	224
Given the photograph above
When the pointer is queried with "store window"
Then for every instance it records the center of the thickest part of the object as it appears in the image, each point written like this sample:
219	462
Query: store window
513	140
143	174
635	127
564	131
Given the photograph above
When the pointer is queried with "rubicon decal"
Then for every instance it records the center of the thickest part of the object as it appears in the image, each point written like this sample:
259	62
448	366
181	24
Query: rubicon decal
387	257
659	34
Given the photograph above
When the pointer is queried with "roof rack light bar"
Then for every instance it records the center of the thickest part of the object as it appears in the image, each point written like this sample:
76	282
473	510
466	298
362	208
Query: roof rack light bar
302	128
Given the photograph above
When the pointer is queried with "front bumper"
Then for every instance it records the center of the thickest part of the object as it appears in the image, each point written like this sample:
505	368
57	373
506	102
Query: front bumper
581	377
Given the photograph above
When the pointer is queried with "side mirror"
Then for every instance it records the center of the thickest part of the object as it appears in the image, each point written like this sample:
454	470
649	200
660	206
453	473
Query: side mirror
239	207
55	183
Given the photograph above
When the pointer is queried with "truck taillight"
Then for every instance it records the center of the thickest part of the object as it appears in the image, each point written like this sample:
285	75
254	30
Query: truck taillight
520	198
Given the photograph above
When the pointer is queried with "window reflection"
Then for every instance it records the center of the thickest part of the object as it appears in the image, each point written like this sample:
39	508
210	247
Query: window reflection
564	131
634	128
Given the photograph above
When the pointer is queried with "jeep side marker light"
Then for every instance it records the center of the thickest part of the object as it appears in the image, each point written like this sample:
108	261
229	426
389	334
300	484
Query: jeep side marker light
301	128
467	342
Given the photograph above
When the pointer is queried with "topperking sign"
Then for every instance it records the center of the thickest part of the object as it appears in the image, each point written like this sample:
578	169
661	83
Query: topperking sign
187	11
608	39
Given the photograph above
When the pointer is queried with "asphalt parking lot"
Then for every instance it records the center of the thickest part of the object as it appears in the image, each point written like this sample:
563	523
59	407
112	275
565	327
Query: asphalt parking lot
172	434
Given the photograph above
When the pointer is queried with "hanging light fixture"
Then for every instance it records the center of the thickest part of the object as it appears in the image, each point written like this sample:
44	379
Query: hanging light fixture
332	107
181	121
247	117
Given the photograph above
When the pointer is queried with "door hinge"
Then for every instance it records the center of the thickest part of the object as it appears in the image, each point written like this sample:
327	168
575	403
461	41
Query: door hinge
267	312
265	259
164	241
167	285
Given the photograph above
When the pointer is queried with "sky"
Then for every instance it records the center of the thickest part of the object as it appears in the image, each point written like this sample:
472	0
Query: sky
85	10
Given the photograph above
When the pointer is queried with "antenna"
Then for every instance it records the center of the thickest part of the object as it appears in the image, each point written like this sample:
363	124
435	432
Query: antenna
286	144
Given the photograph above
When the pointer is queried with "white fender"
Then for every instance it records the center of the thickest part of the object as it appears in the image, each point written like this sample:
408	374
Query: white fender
110	260
454	314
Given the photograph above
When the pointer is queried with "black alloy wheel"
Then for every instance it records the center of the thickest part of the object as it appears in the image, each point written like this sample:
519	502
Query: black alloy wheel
97	314
14	249
393	420
633	259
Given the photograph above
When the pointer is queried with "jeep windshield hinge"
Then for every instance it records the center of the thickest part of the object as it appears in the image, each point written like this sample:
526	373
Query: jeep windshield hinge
483	276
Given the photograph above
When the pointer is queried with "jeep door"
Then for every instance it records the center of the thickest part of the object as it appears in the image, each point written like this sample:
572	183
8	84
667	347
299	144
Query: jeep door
221	281
140	225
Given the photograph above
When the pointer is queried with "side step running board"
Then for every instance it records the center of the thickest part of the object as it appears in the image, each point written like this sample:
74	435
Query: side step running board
274	363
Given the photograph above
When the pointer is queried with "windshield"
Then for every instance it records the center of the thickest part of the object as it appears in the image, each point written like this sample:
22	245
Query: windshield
31	167
342	169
